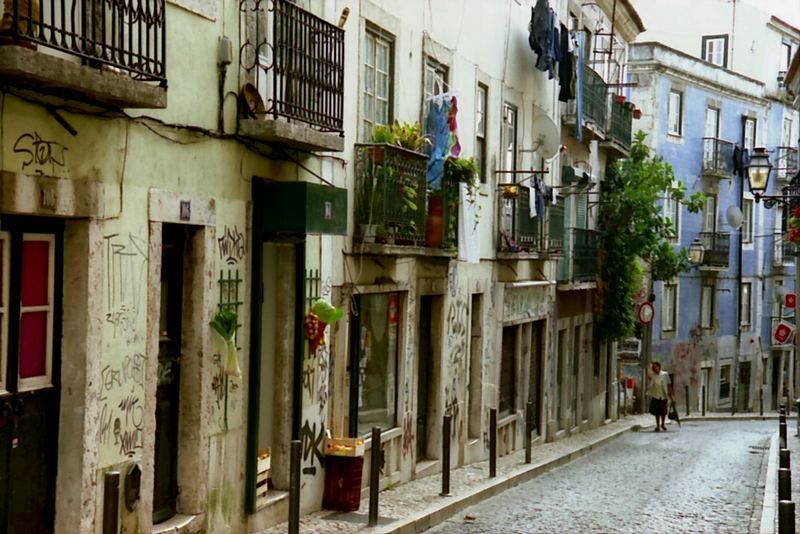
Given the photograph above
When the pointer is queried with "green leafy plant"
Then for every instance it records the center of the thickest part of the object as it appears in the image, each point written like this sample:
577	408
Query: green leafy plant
405	135
632	228
224	323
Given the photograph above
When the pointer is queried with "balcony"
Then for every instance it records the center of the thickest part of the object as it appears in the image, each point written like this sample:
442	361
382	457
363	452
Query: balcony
717	247
295	63
520	234
717	158
786	163
111	54
579	264
595	105
394	207
620	126
783	252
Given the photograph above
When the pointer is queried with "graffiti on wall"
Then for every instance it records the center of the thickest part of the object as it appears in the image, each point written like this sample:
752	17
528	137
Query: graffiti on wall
121	413
231	245
313	441
126	278
41	155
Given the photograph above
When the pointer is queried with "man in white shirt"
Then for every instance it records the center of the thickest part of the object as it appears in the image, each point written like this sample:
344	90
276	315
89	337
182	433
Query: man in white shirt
660	391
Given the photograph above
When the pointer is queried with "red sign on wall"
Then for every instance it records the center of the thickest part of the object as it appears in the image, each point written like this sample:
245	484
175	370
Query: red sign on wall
790	300
783	332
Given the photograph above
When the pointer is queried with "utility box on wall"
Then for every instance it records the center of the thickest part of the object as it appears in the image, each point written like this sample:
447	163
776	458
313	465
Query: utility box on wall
300	208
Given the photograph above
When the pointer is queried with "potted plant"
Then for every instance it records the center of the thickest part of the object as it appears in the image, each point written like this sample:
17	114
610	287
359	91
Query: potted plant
637	113
619	99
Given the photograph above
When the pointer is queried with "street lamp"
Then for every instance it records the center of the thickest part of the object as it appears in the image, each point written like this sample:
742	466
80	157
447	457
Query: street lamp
758	170
696	251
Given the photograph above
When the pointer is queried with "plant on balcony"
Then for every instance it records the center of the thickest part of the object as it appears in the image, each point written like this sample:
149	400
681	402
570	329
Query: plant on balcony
793	225
459	170
404	135
632	228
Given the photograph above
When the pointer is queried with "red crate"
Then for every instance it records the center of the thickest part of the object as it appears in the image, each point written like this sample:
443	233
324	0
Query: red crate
343	483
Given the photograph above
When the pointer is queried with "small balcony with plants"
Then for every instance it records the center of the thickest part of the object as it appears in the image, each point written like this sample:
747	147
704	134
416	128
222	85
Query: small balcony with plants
595	105
786	163
396	210
294	61
523	236
579	264
716	251
784	252
620	126
717	158
107	54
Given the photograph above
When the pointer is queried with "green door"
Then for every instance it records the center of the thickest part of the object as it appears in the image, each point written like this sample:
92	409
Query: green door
165	487
30	290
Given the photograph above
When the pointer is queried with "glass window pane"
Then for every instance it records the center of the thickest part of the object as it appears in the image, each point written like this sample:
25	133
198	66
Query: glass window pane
378	323
382	57
33	344
35	272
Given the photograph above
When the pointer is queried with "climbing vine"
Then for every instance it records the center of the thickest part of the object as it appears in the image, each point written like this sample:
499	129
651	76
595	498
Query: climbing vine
633	230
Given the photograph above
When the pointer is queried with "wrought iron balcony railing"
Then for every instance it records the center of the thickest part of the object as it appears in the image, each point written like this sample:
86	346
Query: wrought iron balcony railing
519	232
124	34
786	162
620	126
579	263
717	157
783	251
717	247
296	61
595	98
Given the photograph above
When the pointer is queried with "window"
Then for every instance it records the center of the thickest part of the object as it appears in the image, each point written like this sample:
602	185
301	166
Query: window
509	140
747	220
672	211
707	305
36	311
435	84
377	84
710	214
715	49
480	130
786	56
675	113
376	361
508	372
777	305
749	133
669	304
747	305
724	381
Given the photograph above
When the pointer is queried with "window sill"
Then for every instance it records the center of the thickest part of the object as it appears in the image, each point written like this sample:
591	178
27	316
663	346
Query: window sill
274	496
674	138
180	523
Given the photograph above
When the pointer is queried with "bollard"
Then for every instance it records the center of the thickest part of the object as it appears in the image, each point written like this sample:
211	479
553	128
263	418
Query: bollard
687	401
761	402
528	429
374	475
782	434
445	457
625	402
733	401
619	407
294	486
786	517
784	459
492	442
784	485
111	502
703	401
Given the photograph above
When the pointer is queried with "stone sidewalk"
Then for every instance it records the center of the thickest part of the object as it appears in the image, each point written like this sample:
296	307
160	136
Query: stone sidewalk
416	505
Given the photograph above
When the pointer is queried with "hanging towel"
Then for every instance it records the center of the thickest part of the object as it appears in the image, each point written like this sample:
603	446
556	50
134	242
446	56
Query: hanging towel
540	203
533	212
579	88
438	130
553	196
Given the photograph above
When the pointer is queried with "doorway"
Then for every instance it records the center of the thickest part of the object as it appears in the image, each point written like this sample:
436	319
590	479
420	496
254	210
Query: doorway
429	318
560	386
30	333
576	390
165	485
743	387
535	378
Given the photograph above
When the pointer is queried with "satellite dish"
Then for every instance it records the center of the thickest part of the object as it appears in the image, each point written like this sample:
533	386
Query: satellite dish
546	136
735	217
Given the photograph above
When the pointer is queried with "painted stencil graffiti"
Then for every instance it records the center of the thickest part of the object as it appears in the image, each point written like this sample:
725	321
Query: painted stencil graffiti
41	155
231	246
126	277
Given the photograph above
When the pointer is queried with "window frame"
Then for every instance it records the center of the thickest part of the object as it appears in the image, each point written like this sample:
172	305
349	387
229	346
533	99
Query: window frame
673	302
504	133
45	380
377	34
706	301
746	320
710	198
785	57
748	212
672	211
679	130
442	73
746	123
728	367
481	114
709	39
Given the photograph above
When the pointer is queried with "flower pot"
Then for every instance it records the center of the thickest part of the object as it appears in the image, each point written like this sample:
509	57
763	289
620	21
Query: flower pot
510	191
619	99
637	113
434	222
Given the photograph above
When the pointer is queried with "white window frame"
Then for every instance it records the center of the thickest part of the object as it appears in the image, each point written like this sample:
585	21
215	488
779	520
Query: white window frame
710	215
672	211
746	319
45	380
748	213
750	132
379	38
715	50
729	382
786	56
707	292
509	126
481	150
669	307
675	112
5	260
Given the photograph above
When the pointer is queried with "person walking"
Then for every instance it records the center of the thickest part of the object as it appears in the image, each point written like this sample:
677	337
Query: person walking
660	392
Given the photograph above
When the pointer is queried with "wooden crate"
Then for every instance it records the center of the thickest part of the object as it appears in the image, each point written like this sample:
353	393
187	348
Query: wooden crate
262	477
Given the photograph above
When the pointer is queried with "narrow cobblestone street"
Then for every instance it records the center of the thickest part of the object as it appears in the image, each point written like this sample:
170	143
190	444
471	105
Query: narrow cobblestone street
704	477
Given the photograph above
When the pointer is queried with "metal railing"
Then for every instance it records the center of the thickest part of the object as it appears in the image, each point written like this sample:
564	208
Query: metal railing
717	157
717	247
296	61
579	263
555	227
786	162
621	125
595	98
784	251
125	34
519	232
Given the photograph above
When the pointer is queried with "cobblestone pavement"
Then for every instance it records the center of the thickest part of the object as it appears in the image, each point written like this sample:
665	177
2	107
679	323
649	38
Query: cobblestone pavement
705	477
